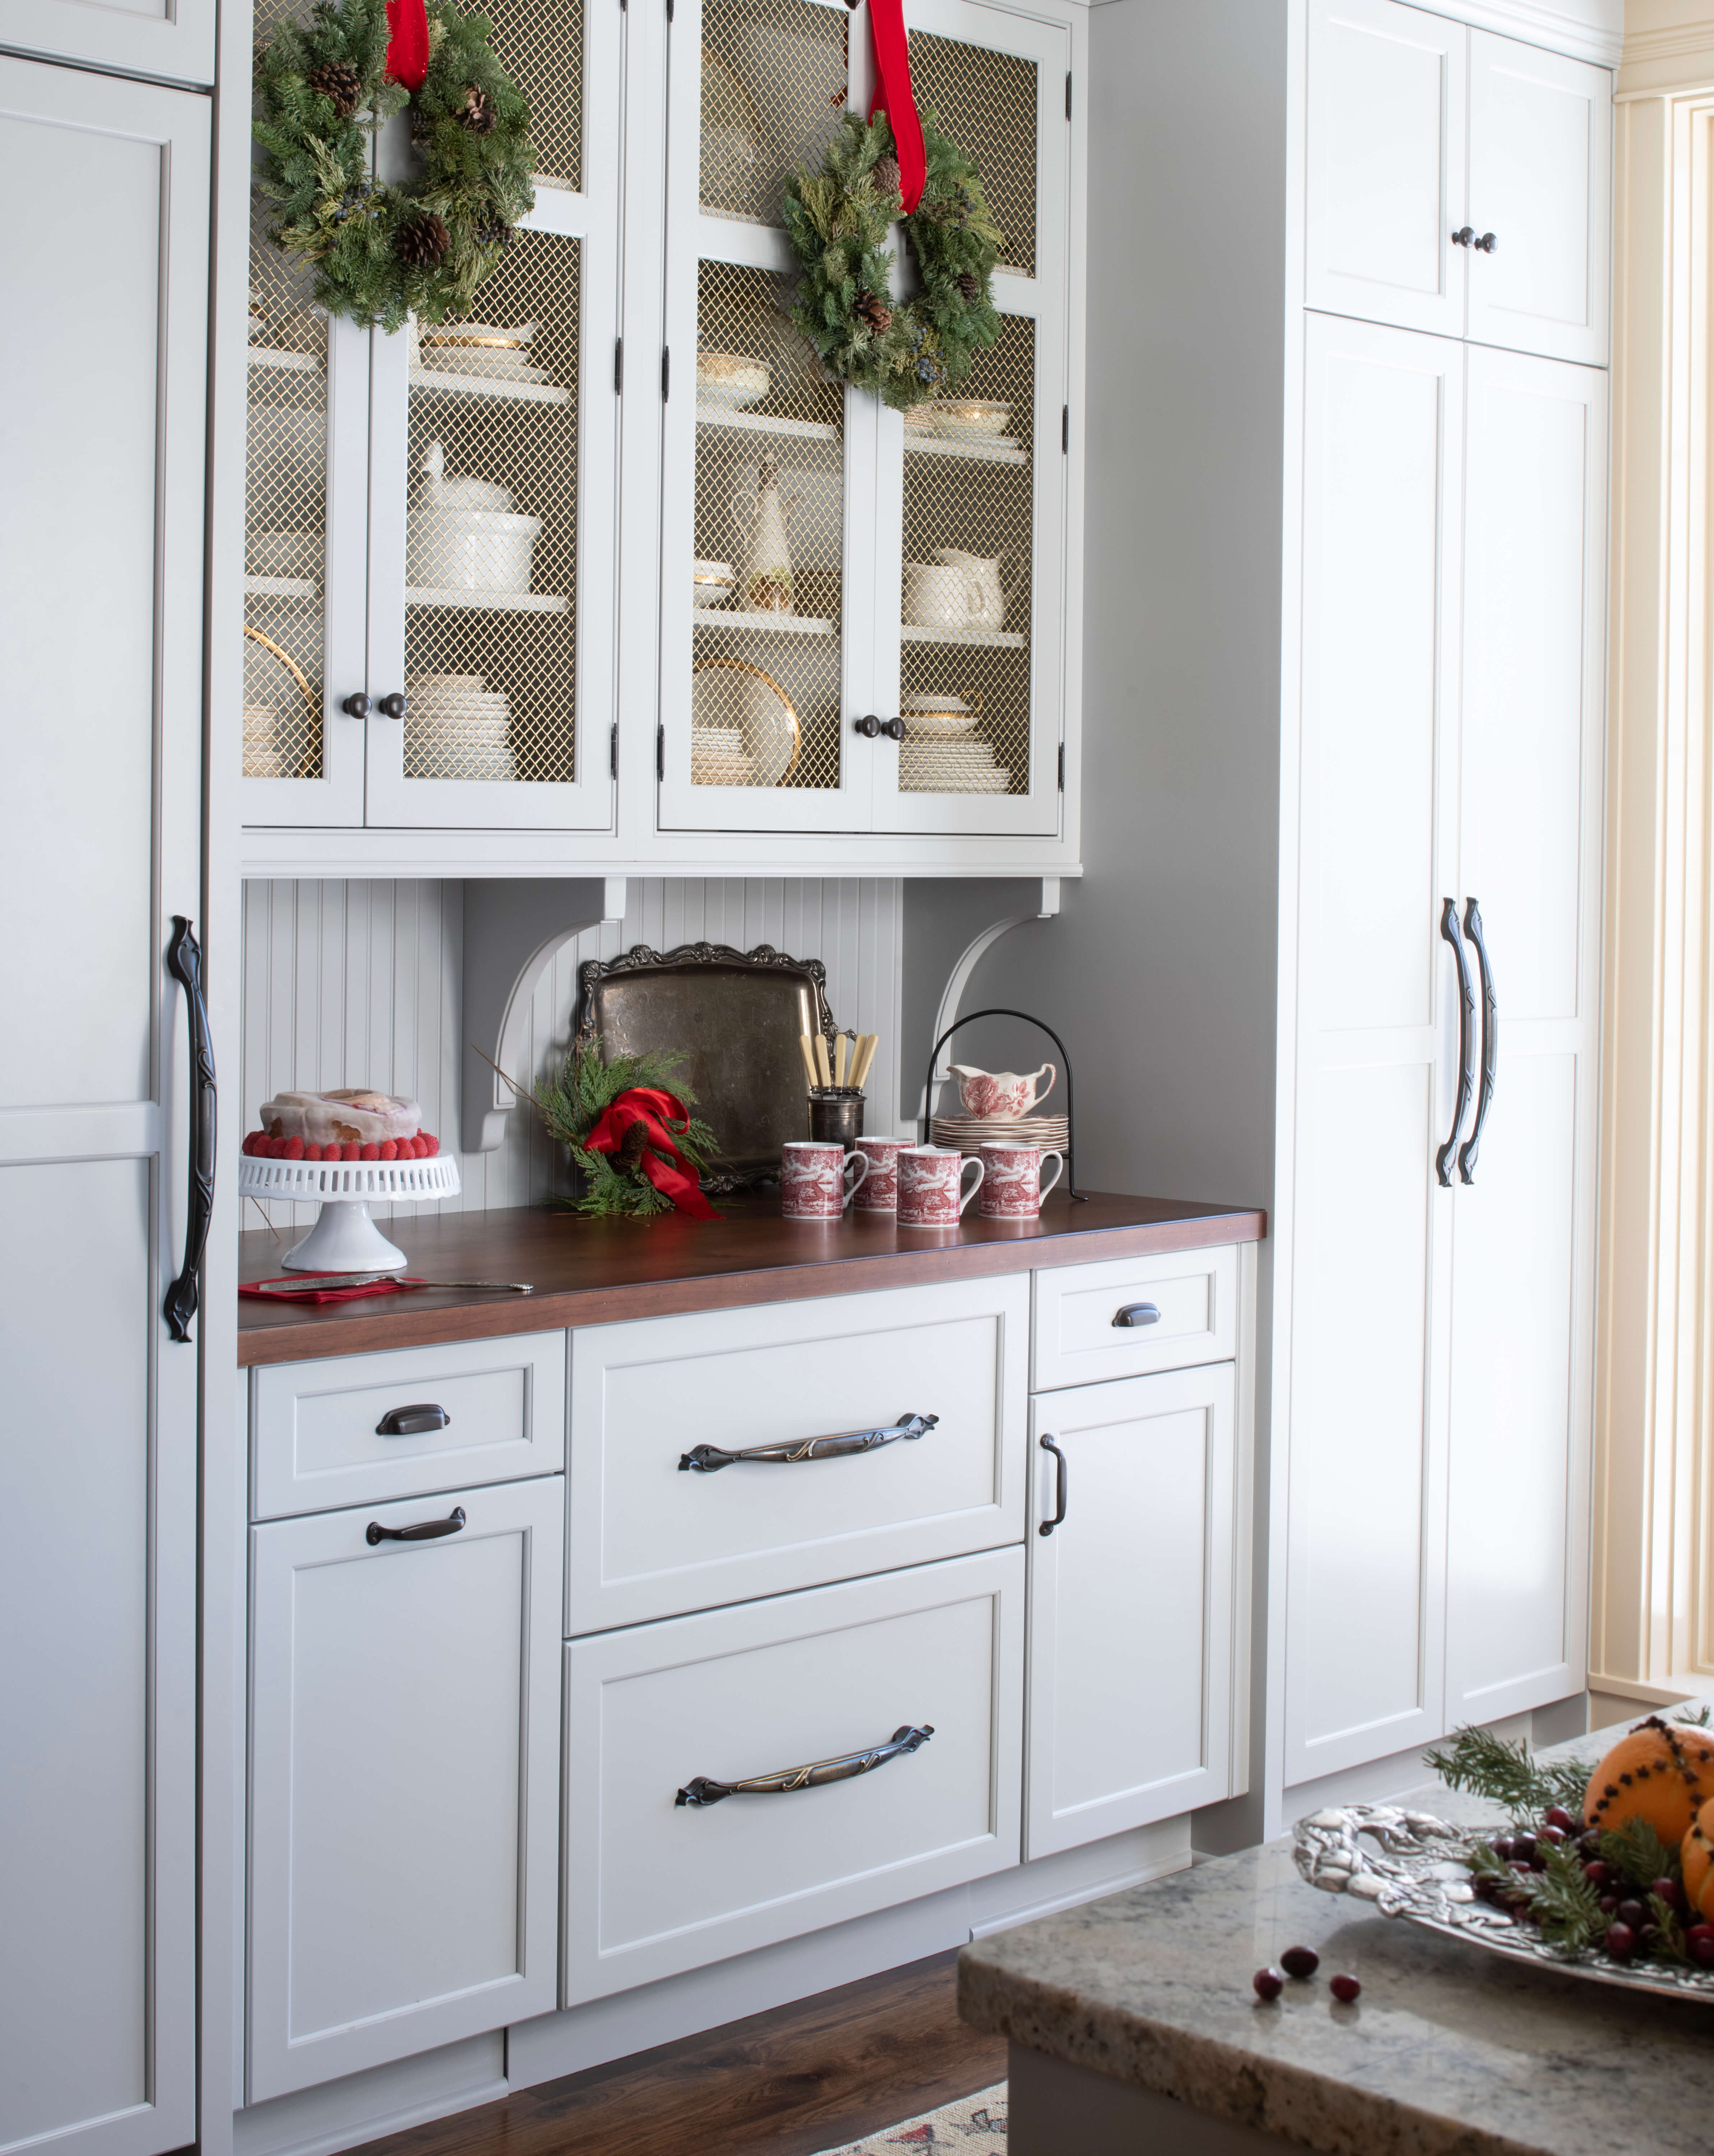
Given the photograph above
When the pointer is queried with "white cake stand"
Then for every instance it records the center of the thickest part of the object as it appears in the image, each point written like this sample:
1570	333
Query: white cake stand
344	1238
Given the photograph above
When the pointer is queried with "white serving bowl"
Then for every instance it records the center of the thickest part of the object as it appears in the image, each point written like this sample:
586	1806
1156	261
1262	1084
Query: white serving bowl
712	583
730	379
484	550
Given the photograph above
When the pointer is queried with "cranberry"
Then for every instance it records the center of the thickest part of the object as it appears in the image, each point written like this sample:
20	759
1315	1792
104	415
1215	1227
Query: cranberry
1699	1941
1300	1961
1670	1892
1558	1816
1538	1862
1609	1905
1268	1983
1344	1989
1590	1843
1621	1941
1523	1847
1553	1835
1597	1874
1632	1912
1502	1848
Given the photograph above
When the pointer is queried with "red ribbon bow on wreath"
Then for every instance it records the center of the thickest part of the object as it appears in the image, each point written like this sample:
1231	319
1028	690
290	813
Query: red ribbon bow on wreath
894	97
408	42
655	1110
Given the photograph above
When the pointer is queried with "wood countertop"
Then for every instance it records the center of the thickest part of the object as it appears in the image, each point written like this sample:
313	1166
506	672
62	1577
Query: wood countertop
592	1272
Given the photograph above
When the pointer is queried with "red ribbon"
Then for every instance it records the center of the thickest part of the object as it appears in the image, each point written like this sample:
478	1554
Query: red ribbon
408	42
894	97
656	1111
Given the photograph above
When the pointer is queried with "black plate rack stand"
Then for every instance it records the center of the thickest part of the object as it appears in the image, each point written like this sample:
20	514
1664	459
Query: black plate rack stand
1041	1025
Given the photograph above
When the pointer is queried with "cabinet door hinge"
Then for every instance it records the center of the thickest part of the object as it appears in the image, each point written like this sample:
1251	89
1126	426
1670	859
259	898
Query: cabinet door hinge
619	367
659	752
613	751
1062	767
1068	92
666	373
1065	430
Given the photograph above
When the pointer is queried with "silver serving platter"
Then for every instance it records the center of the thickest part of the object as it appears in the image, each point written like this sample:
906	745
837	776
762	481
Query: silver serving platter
1409	1864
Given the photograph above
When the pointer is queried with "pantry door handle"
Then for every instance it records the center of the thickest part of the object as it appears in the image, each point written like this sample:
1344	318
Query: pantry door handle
424	1531
702	1789
1490	1043
1062	1486
184	962
709	1458
1466	1041
411	1421
1138	1313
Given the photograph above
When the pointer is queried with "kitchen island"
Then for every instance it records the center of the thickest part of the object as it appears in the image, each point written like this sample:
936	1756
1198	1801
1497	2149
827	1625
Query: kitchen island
1132	2024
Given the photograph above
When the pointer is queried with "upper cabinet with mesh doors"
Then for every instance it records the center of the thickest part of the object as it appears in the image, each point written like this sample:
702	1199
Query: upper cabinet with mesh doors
618	564
826	562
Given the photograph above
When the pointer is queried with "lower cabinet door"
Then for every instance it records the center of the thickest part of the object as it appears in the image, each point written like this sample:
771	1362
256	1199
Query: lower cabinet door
405	1726
665	1872
1131	1594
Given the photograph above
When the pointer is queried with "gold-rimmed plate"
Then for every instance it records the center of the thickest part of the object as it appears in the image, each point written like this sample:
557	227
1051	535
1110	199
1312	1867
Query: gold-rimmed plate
731	694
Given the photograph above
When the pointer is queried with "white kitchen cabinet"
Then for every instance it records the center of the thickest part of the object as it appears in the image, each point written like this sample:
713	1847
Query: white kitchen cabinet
1132	1570
404	1769
1456	182
173	40
1131	1316
656	1883
101	563
763	689
342	421
1454	514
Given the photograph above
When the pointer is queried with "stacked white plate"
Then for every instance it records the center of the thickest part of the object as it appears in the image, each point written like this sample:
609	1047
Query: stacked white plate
496	351
932	718
261	742
456	728
718	758
969	1133
931	761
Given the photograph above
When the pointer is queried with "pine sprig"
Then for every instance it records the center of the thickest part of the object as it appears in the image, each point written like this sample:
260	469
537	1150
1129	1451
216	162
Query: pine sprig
1506	1773
571	1103
1567	1906
1638	1854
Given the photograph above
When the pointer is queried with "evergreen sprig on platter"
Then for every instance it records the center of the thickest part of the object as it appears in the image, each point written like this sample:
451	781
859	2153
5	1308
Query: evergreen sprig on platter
572	1104
1507	1773
382	250
837	220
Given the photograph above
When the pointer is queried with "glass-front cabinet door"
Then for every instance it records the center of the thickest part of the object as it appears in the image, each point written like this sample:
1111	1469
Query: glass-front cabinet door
432	514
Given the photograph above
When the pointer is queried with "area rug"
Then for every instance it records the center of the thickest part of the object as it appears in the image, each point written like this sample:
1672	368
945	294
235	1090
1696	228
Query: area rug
977	2123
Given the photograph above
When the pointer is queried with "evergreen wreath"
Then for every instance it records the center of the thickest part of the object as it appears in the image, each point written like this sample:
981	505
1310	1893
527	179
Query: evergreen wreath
572	1104
836	219
384	250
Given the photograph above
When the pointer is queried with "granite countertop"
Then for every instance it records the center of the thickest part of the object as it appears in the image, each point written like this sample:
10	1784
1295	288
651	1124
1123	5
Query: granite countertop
1450	2051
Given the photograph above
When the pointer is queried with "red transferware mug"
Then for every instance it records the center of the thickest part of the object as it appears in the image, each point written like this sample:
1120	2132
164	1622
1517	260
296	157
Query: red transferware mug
1012	1189
812	1179
931	1179
879	1190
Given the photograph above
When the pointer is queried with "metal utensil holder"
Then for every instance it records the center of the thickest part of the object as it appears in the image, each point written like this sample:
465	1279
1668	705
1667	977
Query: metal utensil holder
836	1114
1042	1026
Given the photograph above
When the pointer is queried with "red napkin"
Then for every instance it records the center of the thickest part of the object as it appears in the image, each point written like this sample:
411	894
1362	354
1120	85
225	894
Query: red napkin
332	1294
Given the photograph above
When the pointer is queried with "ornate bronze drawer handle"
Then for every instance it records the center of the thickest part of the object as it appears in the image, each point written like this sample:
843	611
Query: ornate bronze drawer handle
709	1458
703	1791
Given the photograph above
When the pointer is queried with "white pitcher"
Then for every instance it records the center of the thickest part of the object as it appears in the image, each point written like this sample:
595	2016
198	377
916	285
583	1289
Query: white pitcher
937	595
764	576
985	593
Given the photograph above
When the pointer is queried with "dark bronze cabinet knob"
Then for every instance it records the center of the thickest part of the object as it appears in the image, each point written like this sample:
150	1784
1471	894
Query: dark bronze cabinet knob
1489	244
1464	234
393	707
356	707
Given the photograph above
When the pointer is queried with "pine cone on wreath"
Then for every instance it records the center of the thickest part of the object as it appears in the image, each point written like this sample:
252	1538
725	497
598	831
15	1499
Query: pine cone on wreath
968	287
632	1147
872	312
478	115
423	242
886	176
340	83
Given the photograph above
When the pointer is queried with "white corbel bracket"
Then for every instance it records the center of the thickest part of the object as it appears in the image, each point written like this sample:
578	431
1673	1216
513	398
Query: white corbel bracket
513	929
958	979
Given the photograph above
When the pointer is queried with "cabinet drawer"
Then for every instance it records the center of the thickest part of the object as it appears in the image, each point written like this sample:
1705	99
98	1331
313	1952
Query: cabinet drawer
651	1539
316	1435
653	1886
1077	1342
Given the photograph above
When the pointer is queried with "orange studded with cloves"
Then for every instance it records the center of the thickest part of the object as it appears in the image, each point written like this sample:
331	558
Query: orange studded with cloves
1662	1772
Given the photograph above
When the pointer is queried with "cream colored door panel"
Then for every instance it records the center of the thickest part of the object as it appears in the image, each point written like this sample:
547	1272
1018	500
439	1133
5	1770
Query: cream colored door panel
1130	1604
1176	1309
1541	163
650	1538
405	1726
654	1886
367	1429
1377	1053
1384	164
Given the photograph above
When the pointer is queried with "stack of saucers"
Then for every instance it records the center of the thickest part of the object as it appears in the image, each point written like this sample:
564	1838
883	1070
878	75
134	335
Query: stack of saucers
456	728
938	756
718	758
261	742
969	1133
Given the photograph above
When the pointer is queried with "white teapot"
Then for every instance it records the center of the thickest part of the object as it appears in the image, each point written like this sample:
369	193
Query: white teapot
1003	1096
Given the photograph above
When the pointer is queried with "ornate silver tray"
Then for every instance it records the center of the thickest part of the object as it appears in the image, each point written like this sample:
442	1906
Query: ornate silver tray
1408	1864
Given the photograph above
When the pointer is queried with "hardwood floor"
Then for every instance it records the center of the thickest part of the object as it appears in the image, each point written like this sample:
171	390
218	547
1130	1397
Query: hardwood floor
802	2078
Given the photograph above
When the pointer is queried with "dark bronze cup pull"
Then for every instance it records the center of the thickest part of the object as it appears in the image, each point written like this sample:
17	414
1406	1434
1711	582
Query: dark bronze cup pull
411	1421
703	1790
1061	1489
1138	1313
709	1458
424	1531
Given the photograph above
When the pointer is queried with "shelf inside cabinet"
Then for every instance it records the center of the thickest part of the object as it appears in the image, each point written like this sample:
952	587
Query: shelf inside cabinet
480	601
281	588
979	449
287	363
428	380
764	423
772	624
991	639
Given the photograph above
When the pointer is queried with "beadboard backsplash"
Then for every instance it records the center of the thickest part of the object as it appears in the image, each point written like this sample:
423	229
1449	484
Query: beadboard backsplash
358	984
